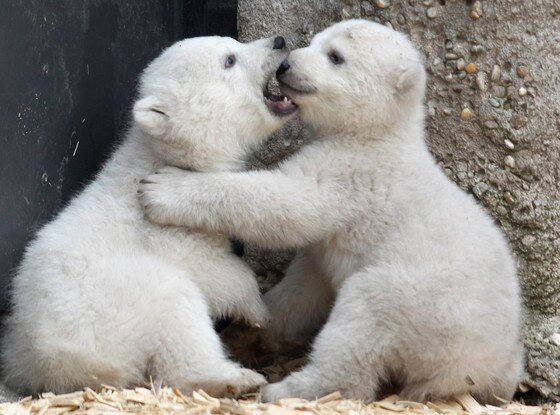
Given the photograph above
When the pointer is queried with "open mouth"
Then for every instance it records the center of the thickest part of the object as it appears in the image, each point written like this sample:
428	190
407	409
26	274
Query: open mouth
278	104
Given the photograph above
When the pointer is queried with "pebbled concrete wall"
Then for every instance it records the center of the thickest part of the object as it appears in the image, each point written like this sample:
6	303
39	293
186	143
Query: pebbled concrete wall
492	123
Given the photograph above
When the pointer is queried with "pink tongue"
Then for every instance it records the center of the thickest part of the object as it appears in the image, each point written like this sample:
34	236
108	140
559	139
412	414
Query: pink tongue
282	105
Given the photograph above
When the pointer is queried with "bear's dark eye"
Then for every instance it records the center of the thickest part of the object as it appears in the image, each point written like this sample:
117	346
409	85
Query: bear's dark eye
230	61
335	57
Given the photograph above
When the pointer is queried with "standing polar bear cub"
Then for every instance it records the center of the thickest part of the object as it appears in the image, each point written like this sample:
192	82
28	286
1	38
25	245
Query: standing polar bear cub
424	286
104	296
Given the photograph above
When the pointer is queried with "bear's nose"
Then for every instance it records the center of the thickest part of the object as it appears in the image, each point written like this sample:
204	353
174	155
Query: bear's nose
279	43
284	66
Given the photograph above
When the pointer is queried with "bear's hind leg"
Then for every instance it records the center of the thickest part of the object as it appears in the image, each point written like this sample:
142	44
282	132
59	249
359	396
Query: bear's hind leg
231	291
189	354
299	305
347	353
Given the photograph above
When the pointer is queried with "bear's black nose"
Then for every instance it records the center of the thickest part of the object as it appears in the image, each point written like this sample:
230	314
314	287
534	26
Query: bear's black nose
279	43
284	66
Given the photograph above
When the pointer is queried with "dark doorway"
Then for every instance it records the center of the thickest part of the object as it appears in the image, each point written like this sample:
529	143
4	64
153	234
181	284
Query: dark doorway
68	72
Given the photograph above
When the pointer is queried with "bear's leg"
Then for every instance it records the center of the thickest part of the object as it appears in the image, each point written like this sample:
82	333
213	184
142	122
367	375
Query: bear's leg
189	354
299	305
347	353
231	291
381	329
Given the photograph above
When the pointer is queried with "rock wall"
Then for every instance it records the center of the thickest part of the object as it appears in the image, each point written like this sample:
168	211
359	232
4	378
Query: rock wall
492	123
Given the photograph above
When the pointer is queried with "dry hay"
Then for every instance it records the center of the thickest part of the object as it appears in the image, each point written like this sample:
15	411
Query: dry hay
165	400
155	400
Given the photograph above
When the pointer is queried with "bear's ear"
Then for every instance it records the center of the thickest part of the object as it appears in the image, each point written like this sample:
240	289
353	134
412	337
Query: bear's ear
405	79
149	113
409	76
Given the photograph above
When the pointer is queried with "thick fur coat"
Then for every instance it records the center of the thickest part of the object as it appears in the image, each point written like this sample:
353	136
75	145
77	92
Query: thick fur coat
104	296
413	281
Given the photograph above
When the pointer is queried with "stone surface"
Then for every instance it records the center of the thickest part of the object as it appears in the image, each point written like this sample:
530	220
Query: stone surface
515	44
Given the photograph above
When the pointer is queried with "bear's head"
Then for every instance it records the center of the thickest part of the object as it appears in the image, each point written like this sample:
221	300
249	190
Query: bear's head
204	104
355	76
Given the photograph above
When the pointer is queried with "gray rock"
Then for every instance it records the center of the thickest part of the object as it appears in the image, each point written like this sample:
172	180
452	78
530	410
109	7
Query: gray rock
508	143
525	200
481	81
491	125
432	12
528	240
367	8
496	73
479	189
499	91
478	49
509	161
382	4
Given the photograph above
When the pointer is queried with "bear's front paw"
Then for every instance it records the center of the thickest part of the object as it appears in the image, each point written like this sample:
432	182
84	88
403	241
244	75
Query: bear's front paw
303	384
160	198
253	312
244	381
277	391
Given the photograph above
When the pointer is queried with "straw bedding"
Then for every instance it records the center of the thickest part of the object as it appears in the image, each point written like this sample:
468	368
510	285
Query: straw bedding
155	400
166	400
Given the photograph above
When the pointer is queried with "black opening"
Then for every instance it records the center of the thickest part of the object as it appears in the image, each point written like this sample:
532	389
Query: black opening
68	72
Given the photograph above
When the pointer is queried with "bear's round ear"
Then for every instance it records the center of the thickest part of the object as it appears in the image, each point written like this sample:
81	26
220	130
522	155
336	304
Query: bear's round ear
149	113
405	78
410	76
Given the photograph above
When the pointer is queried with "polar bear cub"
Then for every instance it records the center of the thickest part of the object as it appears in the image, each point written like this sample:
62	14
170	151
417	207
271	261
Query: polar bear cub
103	295
416	284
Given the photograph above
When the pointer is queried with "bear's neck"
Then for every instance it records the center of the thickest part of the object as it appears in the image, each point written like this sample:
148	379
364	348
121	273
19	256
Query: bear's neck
136	158
408	131
132	160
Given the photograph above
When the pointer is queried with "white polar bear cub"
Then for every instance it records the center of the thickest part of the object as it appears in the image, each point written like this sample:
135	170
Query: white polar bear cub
424	285
103	295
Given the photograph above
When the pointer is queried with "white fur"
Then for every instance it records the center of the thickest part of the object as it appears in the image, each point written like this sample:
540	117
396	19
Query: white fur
103	295
424	285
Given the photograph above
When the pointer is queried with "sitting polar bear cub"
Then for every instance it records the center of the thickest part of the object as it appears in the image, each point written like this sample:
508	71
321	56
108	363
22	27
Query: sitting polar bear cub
424	286
104	296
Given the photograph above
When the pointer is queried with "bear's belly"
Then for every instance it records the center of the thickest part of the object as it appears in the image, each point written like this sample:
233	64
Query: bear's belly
341	256
198	251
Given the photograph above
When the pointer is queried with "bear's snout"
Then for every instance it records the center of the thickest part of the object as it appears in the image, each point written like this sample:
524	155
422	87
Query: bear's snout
279	43
284	66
